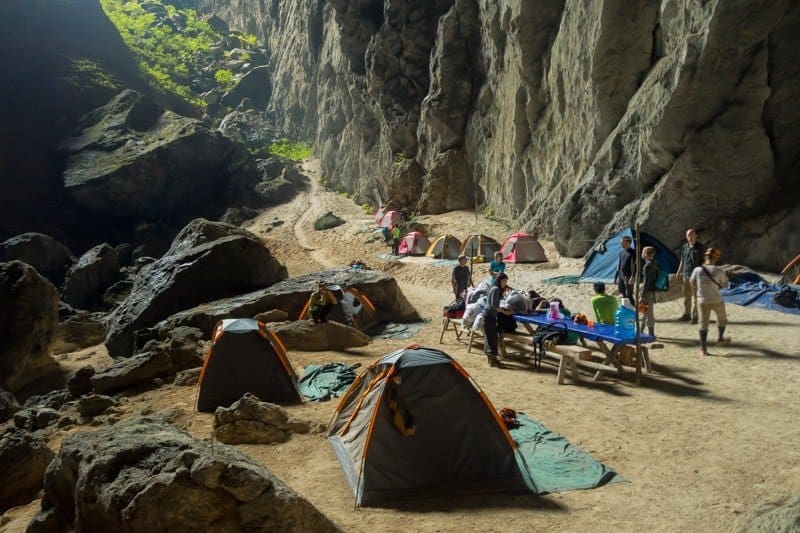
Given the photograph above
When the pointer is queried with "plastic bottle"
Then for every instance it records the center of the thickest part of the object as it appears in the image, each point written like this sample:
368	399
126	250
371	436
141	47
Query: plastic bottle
624	319
554	310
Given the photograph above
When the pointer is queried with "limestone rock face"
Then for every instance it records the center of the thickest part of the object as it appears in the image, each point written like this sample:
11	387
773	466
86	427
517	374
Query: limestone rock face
207	261
78	331
292	294
143	474
574	118
134	160
28	320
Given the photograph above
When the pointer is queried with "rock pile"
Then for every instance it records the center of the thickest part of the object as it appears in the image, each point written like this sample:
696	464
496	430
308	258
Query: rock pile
251	421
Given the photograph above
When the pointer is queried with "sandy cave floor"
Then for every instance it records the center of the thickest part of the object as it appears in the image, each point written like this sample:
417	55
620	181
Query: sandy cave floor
701	441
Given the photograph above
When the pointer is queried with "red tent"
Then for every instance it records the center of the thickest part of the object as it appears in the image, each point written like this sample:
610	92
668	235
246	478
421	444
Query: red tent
523	248
390	219
413	243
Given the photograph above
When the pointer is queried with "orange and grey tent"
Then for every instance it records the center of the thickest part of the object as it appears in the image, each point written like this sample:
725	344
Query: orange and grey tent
390	219
479	245
413	243
444	247
245	357
523	248
415	424
791	272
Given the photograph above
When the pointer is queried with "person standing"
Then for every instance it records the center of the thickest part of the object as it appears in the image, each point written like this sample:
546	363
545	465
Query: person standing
691	258
490	335
707	280
461	278
604	306
395	239
649	279
496	265
624	275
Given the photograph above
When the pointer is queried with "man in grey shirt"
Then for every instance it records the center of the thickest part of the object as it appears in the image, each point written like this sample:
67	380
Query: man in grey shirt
691	258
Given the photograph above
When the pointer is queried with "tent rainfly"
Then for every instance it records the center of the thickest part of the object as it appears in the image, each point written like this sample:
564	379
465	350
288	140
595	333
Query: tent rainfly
444	247
523	248
479	245
245	357
415	424
413	243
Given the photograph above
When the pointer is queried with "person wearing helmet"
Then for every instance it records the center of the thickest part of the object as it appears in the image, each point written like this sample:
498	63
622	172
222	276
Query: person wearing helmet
707	280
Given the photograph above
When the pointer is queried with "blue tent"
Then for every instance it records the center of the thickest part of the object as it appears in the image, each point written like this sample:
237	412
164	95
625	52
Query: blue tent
602	262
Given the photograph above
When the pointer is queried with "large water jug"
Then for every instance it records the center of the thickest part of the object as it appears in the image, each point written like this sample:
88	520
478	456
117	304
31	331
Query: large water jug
554	310
625	319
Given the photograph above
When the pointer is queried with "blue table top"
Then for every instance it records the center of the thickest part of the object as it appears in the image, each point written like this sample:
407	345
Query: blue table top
598	332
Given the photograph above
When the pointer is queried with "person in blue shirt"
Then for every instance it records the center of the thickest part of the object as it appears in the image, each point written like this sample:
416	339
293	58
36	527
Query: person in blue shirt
496	265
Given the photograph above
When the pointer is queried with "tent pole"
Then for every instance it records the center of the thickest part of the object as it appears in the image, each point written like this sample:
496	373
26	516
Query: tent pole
636	306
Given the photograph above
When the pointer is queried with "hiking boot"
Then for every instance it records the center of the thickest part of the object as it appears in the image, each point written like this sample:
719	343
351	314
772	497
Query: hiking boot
703	352
492	359
724	341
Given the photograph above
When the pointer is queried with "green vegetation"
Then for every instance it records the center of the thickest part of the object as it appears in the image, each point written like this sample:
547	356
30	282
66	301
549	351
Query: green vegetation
294	151
489	212
366	208
400	158
247	39
166	55
86	73
224	78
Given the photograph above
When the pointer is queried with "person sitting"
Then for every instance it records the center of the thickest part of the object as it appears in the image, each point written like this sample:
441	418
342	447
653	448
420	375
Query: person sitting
496	265
321	302
604	305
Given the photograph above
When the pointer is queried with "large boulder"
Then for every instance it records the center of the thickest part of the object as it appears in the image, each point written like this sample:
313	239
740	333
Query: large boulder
292	294
28	319
137	162
133	372
8	405
248	127
95	271
305	335
254	85
24	457
207	260
48	256
251	421
782	515
81	330
146	475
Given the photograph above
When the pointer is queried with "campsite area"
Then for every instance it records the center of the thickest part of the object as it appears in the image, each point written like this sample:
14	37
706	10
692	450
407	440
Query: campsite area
701	441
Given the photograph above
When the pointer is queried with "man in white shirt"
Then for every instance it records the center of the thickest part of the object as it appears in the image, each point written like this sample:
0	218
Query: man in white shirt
707	280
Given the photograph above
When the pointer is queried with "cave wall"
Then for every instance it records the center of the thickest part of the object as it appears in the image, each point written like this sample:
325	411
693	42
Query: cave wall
573	117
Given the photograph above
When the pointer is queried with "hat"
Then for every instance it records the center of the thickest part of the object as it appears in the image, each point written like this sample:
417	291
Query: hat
714	253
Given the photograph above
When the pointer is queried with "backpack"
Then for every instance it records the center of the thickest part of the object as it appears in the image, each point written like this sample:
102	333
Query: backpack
555	333
455	309
787	297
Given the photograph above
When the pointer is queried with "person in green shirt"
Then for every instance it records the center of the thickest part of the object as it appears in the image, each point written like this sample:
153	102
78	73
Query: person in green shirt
604	305
322	301
395	240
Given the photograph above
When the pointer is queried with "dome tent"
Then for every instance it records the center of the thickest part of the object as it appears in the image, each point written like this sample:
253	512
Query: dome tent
444	247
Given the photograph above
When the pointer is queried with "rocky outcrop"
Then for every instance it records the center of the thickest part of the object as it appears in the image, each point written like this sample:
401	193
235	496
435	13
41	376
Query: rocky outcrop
291	295
207	261
87	280
135	161
254	85
305	335
138	371
8	405
28	319
572	118
251	421
24	458
782	515
94	405
144	474
48	256
79	331
328	221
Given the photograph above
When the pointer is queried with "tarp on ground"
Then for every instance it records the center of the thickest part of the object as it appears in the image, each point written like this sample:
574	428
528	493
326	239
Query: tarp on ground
752	290
320	383
555	464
